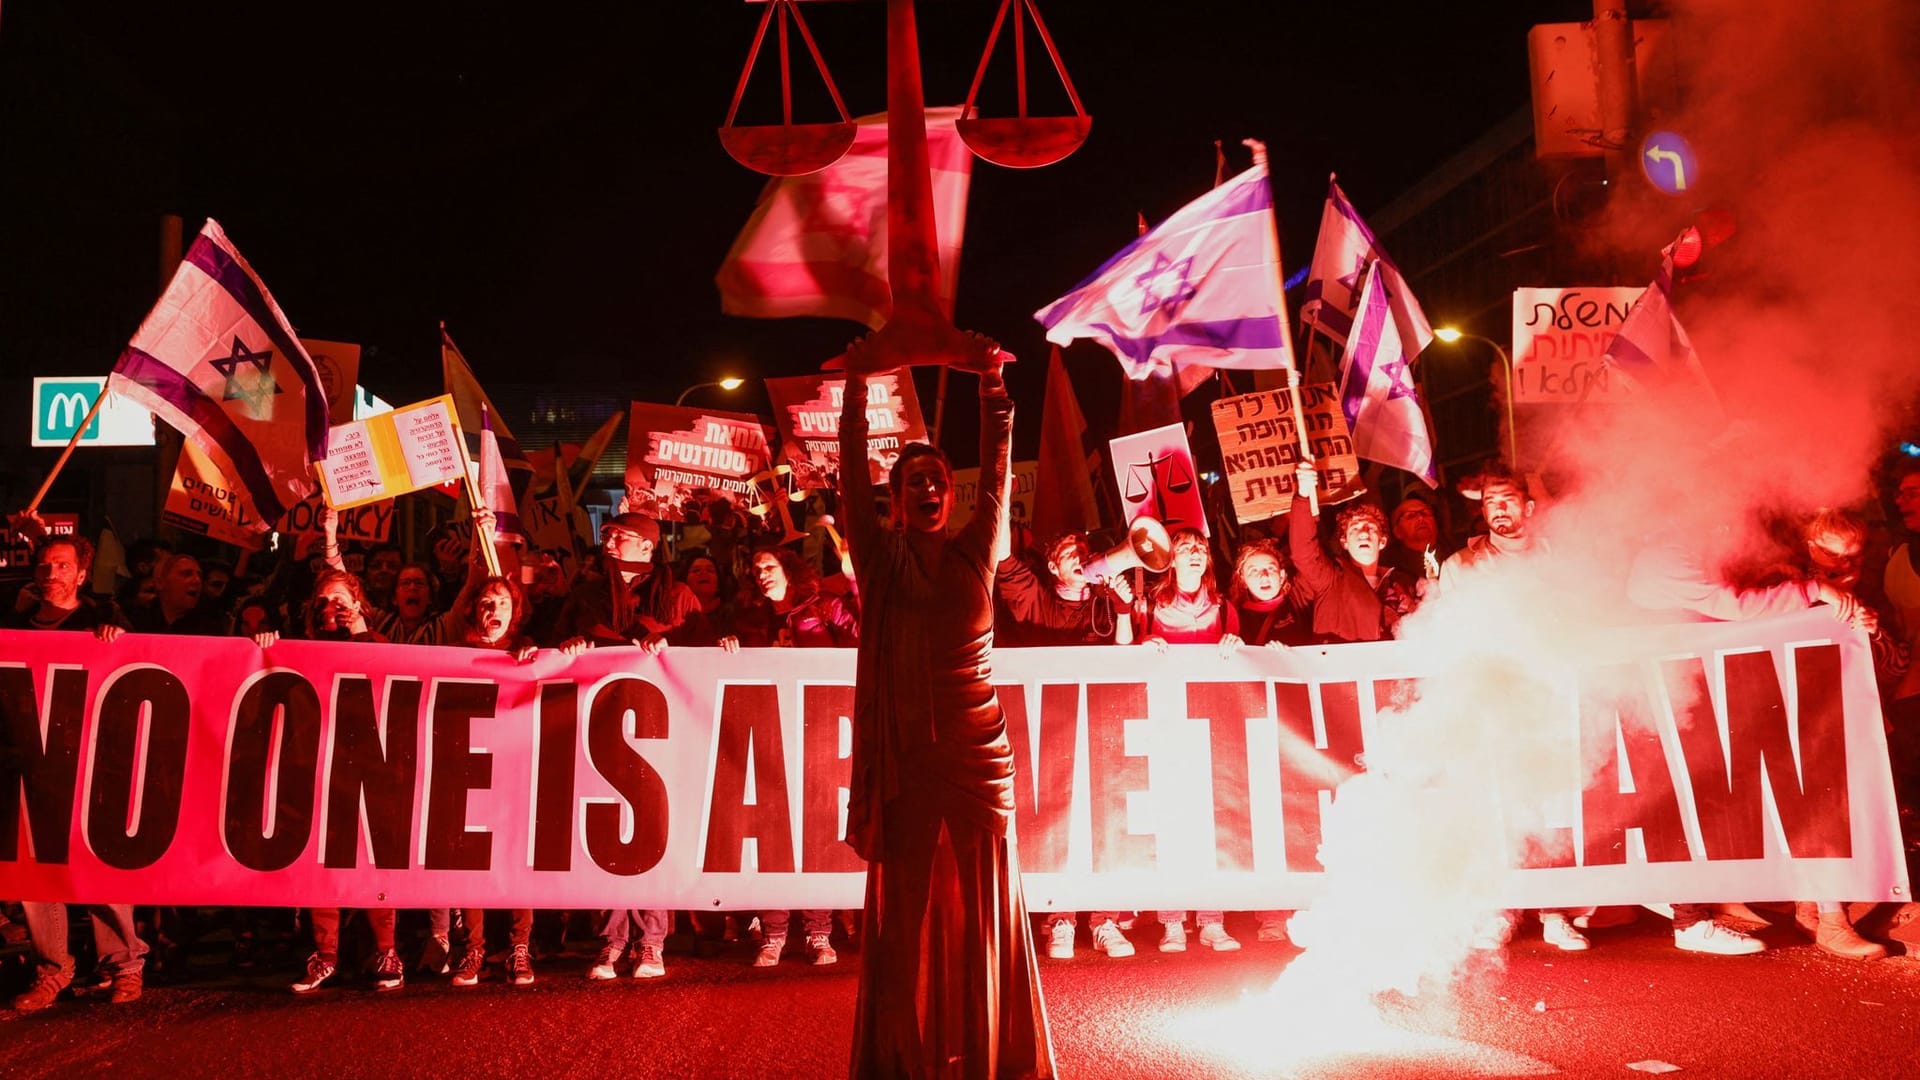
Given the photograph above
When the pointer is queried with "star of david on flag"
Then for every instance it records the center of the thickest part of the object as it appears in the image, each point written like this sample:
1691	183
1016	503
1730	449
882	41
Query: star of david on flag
1344	250
1376	389
216	359
252	383
1201	288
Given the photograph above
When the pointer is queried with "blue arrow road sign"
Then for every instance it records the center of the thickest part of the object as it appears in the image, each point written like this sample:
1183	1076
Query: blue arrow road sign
1668	162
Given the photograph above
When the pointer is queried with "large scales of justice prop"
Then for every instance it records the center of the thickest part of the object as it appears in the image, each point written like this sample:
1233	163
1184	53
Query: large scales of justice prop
918	331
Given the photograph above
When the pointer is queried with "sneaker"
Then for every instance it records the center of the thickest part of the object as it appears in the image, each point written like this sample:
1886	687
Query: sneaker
1272	931
520	966
603	964
127	987
467	971
1060	940
1707	936
1556	931
41	995
1108	939
770	951
1175	939
388	972
1214	936
1126	924
435	956
319	970
652	965
820	950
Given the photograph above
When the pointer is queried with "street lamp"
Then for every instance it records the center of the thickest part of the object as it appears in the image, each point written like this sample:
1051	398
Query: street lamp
731	382
1451	335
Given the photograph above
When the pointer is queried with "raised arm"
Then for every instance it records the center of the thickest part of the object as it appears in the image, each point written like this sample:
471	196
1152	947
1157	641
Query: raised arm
330	537
476	570
856	481
996	438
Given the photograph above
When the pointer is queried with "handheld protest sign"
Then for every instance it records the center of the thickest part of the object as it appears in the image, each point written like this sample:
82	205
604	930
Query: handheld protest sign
680	456
1260	445
415	446
1157	479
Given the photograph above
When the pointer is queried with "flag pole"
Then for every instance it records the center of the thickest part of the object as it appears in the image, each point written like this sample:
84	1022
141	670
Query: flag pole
483	537
1286	332
45	485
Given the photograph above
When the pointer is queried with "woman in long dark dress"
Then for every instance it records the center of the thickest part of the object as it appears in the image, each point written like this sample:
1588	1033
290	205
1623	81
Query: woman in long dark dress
949	982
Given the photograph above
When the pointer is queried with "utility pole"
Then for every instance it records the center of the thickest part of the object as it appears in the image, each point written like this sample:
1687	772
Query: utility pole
1613	48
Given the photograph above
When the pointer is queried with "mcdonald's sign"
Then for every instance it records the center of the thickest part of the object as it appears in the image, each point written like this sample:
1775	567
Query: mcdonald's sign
59	404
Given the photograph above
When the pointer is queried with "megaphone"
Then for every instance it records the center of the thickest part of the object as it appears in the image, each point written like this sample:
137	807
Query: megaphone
1147	546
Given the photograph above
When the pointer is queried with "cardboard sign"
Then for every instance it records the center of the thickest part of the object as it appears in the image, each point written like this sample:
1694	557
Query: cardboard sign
1026	486
368	523
1259	446
677	454
211	771
415	446
1559	336
1155	472
202	500
338	364
560	528
807	409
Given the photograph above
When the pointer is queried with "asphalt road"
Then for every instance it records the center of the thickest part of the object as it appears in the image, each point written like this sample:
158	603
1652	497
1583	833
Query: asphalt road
1789	1012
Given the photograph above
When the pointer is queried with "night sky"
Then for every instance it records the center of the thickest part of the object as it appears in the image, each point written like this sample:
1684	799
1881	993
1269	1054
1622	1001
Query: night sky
547	178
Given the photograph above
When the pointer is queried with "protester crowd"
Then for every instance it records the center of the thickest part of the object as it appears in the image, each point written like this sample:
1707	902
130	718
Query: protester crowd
1315	577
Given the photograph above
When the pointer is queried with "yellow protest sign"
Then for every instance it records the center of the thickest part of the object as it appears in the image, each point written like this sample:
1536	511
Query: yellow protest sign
415	446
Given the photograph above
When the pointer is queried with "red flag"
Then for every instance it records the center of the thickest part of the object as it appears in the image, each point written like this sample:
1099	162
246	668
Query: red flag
817	244
1065	500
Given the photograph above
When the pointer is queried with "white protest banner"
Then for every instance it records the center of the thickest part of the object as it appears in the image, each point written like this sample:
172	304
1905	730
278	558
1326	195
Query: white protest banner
1559	336
1711	762
1157	479
1259	446
412	447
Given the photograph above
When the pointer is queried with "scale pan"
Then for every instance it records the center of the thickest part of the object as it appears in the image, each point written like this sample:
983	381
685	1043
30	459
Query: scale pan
1024	142
788	149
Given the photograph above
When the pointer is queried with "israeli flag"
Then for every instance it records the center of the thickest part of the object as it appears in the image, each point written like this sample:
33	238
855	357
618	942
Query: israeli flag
1202	288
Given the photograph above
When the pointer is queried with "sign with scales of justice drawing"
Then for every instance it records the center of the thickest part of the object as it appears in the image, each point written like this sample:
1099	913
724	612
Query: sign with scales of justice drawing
1155	472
